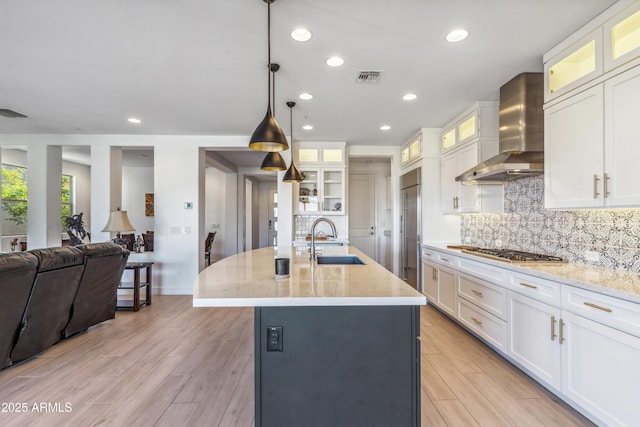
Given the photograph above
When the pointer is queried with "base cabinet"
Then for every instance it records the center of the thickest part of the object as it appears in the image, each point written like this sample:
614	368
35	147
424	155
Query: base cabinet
601	370
533	338
337	366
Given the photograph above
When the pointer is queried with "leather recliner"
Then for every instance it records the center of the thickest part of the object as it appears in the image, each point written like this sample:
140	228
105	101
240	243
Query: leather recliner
17	273
95	300
49	307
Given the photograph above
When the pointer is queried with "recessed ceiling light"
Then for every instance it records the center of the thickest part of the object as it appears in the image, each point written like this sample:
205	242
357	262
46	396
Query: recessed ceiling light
134	120
306	96
301	34
335	61
409	96
457	35
307	127
385	127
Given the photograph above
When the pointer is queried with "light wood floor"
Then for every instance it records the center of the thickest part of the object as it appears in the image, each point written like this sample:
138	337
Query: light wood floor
174	365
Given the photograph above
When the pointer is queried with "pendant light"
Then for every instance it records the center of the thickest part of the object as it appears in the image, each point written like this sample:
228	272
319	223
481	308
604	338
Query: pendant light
268	136
292	174
273	161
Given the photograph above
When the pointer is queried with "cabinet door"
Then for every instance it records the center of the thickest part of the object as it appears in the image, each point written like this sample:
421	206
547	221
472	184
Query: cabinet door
430	280
601	372
449	186
576	65
573	145
333	191
308	199
468	200
447	290
622	38
533	338
622	150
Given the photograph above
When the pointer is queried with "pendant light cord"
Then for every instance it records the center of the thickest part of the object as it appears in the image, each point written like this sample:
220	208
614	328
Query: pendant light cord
269	53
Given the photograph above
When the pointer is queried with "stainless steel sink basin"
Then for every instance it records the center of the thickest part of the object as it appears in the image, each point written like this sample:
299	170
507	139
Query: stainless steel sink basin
339	259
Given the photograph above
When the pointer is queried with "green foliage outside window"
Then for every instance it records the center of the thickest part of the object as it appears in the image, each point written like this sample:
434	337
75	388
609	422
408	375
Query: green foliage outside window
14	199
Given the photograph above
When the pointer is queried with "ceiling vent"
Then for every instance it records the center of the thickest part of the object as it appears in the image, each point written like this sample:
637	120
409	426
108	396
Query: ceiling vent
368	76
10	114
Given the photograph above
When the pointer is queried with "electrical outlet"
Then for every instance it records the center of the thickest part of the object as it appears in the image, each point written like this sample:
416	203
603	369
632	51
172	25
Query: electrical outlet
592	256
274	338
498	243
467	239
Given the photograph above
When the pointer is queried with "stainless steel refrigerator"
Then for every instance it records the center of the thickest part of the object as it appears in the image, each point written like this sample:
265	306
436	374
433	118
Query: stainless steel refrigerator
410	227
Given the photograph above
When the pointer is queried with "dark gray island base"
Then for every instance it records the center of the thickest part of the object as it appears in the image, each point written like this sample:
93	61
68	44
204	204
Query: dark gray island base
338	366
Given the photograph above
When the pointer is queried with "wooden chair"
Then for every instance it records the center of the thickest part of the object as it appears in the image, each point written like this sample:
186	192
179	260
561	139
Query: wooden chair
208	243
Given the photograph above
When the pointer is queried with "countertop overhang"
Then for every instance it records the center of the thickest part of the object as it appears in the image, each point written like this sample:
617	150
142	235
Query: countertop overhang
248	279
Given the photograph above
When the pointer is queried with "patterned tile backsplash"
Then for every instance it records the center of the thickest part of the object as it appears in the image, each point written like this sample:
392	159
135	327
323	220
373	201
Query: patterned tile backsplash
526	225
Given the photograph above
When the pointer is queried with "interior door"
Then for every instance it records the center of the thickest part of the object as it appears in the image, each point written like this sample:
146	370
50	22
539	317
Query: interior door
362	213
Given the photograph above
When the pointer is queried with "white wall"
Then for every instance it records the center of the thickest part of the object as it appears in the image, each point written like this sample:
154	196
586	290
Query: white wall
221	212
136	181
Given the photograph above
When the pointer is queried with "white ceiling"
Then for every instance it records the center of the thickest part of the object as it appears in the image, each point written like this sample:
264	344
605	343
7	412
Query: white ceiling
200	67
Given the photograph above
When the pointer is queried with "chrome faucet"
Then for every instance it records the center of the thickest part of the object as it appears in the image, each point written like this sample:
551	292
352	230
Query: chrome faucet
313	234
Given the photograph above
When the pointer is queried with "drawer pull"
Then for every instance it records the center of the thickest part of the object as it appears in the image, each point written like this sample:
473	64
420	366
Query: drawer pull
476	320
553	328
599	307
476	292
595	186
445	260
528	285
562	331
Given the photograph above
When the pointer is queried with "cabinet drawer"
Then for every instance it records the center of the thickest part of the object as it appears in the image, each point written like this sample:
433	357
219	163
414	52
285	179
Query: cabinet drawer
483	271
610	311
489	297
539	289
429	254
449	260
490	328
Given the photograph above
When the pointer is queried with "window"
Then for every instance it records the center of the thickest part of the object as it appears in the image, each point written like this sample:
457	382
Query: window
14	199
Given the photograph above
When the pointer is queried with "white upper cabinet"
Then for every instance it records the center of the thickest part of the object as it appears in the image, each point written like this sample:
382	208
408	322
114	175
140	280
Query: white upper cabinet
411	150
577	64
320	153
573	145
607	45
591	129
478	121
622	38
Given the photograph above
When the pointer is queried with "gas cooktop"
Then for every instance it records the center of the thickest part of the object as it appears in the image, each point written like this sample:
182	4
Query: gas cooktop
513	256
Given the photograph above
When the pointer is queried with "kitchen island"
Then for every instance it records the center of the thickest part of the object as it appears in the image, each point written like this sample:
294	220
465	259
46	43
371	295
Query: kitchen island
334	344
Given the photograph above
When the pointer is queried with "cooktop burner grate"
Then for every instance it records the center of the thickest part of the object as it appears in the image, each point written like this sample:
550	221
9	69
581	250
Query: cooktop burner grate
510	255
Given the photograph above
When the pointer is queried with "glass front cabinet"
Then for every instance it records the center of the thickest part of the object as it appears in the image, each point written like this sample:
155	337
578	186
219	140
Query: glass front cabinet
321	192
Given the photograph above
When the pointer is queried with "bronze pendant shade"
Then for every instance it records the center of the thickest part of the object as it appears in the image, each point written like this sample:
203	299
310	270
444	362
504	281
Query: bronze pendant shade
292	174
268	136
273	162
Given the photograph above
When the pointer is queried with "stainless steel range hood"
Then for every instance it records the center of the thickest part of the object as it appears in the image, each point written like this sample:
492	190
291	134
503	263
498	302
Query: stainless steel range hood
521	134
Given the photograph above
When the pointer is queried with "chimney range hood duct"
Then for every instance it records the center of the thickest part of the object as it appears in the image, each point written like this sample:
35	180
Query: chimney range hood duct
521	134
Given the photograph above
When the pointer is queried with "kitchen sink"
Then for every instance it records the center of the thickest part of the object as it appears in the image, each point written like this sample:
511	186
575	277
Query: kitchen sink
339	259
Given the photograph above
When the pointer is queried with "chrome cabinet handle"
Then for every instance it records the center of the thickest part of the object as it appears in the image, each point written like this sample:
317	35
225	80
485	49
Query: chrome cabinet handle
595	186
553	328
606	185
599	307
562	325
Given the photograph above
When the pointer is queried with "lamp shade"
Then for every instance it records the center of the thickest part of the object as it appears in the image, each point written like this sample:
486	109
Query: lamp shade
273	162
292	174
118	221
268	136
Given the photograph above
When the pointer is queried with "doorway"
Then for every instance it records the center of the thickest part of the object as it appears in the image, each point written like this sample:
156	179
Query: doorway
370	209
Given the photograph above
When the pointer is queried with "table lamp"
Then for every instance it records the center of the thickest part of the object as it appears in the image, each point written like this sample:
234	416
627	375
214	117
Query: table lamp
118	222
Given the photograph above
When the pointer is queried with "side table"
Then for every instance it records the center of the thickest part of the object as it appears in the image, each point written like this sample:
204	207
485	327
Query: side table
136	285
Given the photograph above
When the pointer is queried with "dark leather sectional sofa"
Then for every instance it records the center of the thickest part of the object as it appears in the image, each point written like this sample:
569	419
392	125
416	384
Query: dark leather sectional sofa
50	294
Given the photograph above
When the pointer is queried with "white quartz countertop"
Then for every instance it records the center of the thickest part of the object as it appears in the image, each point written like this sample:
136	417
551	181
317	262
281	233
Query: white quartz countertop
620	284
248	280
